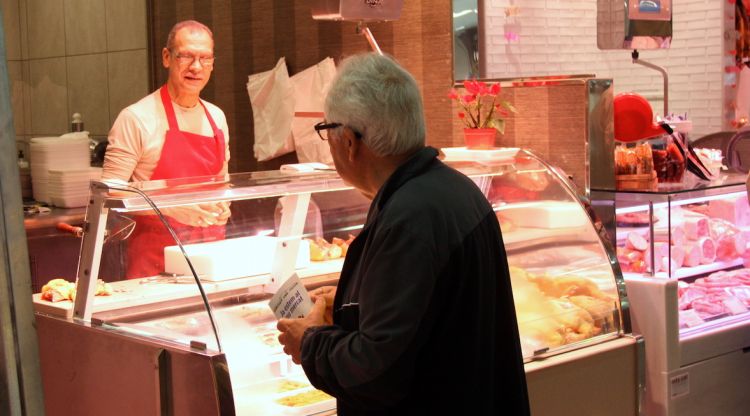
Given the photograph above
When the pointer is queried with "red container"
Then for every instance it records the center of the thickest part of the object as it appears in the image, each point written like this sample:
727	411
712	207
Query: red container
479	138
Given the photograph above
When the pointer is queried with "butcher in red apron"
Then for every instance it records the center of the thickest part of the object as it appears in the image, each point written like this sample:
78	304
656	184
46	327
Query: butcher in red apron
184	154
172	133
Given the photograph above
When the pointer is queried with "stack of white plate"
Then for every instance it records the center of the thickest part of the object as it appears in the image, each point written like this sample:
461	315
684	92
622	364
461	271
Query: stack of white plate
55	153
69	188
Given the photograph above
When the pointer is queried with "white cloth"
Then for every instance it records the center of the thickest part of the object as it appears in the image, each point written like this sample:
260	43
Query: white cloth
272	99
137	136
310	89
742	110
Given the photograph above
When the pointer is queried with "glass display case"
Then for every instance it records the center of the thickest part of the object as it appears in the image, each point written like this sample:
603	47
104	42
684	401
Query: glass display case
204	306
698	236
682	249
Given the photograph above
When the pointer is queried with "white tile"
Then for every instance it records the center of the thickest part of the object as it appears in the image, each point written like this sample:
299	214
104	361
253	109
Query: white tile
49	97
24	29
12	29
126	24
85	27
15	77
46	28
128	79
88	92
25	68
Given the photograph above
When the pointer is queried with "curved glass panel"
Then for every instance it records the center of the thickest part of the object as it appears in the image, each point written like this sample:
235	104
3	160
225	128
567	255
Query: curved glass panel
564	286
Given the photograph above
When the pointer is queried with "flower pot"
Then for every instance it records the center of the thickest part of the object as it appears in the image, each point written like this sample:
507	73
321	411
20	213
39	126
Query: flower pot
479	138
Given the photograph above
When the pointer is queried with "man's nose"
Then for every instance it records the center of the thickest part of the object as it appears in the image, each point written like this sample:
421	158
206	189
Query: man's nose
196	64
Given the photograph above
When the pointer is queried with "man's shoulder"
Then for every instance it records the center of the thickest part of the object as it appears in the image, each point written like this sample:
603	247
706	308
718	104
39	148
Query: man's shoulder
145	107
440	184
214	109
437	193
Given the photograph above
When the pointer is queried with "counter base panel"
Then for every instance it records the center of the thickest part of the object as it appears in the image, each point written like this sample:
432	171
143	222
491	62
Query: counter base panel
587	381
91	371
716	386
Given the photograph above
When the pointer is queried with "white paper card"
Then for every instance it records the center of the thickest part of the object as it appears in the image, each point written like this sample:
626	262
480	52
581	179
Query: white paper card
689	318
291	300
679	385
734	305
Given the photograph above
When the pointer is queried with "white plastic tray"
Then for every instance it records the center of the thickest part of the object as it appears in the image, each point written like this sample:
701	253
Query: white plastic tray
494	154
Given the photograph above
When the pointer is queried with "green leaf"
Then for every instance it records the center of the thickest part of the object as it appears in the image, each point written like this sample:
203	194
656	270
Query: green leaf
510	107
498	125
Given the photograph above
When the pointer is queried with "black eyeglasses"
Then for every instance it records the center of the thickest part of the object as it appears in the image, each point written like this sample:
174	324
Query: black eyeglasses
323	127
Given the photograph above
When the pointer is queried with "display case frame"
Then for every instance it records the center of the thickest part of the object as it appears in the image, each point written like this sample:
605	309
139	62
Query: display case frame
111	321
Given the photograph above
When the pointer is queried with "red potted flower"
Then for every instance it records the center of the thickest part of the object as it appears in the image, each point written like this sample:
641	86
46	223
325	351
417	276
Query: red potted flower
482	112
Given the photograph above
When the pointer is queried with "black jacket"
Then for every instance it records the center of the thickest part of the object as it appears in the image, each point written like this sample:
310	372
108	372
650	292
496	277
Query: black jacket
424	321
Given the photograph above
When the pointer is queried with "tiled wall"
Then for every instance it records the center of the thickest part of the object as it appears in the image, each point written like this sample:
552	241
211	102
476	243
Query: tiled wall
559	37
67	56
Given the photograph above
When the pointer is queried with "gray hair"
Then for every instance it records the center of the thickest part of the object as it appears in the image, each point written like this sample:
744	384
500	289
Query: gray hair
373	95
194	26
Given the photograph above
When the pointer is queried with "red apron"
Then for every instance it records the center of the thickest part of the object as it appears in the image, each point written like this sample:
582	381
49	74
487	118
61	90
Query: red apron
184	154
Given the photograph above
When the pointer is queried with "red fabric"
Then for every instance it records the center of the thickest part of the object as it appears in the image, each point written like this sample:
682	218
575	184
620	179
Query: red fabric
184	154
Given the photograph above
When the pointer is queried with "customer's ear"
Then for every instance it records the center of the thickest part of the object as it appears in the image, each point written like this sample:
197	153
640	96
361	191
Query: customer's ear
352	145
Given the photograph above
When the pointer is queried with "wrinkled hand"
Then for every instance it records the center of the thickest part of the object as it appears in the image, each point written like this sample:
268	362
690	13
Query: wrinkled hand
292	330
327	293
200	215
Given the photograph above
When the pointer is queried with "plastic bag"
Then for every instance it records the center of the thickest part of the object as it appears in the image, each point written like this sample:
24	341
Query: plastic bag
310	89
272	98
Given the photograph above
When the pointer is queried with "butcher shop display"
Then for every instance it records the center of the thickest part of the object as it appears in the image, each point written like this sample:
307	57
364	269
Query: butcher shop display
700	234
717	295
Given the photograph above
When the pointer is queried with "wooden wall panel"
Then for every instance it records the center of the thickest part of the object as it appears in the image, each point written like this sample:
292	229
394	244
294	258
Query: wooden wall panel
252	35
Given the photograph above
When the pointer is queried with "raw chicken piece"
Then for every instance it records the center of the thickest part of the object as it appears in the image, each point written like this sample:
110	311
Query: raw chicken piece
689	295
710	306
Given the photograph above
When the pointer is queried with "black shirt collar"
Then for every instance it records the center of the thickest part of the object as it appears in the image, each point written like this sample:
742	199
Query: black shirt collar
417	164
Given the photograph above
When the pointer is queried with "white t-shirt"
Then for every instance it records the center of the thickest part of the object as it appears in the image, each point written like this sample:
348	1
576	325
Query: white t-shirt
137	136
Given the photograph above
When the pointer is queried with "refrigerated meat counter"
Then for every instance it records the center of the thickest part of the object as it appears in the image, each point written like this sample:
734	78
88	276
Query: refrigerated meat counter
198	337
683	249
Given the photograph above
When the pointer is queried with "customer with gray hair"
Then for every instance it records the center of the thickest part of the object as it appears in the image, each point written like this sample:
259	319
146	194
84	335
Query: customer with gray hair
422	320
381	101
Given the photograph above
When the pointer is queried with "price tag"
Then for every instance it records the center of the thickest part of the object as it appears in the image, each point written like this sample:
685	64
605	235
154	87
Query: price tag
734	306
690	318
679	385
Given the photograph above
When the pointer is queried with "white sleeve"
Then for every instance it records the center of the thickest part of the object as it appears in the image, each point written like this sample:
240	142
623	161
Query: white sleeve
125	147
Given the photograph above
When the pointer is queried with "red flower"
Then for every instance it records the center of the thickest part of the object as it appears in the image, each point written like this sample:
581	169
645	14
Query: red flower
473	87
480	105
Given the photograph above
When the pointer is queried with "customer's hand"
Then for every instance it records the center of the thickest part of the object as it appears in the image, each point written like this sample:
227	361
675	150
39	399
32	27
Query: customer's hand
292	330
200	215
327	293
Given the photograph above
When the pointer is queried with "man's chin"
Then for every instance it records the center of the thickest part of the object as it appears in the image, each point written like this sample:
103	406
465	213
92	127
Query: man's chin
193	85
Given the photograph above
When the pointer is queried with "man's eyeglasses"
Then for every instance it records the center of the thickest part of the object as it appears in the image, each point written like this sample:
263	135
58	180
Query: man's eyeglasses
188	59
323	127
